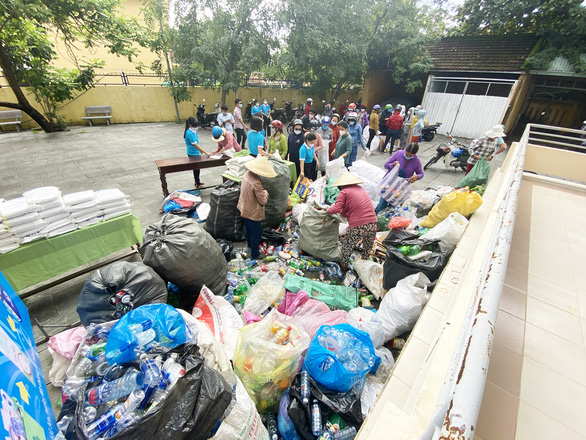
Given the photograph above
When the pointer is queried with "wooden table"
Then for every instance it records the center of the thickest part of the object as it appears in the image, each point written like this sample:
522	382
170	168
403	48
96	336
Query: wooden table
187	163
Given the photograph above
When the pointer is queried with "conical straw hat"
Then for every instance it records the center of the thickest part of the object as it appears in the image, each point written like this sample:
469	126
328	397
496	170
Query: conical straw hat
261	166
347	179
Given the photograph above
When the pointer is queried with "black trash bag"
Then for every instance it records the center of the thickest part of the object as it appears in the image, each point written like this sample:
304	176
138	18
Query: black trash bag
347	405
191	411
224	219
97	301
273	237
278	189
182	252
226	246
397	266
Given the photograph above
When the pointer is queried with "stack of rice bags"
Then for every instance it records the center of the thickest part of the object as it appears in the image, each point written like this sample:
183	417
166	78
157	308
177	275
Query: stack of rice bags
51	210
8	239
235	166
21	223
83	207
112	203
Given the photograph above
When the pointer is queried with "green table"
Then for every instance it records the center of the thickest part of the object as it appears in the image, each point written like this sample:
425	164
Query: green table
44	259
292	174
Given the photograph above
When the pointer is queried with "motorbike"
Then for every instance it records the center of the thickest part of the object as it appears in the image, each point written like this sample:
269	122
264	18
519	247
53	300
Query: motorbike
428	133
248	111
278	113
206	119
454	154
289	112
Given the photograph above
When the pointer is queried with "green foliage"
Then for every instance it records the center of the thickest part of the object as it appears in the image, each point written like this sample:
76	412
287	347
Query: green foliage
27	53
561	24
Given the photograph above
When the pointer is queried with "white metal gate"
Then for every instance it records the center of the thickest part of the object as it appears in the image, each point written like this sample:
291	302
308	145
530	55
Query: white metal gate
467	107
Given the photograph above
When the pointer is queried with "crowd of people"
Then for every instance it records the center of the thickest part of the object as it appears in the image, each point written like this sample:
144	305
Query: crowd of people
314	141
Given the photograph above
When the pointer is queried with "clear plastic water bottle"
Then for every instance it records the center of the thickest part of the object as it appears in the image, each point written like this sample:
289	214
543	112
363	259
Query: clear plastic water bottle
272	426
100	331
129	406
115	389
116	371
152	373
315	418
330	432
305	387
346	434
89	414
174	370
103	424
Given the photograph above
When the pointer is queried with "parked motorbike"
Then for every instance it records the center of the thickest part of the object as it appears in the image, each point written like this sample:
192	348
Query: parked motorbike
455	154
428	133
206	119
278	113
289	112
248	111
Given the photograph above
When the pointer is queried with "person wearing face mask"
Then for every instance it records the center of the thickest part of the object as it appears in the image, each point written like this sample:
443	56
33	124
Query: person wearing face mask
192	142
351	109
372	125
256	138
278	141
344	144
294	142
308	105
326	134
356	132
307	158
394	129
363	117
319	143
328	111
265	110
418	126
406	136
225	119
239	125
255	108
409	168
335	134
307	119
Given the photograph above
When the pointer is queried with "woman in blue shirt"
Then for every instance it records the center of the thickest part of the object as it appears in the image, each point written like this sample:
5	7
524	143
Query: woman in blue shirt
265	110
307	158
255	108
355	131
256	138
192	143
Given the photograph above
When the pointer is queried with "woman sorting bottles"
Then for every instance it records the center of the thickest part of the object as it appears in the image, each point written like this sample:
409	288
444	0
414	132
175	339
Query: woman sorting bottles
192	143
409	168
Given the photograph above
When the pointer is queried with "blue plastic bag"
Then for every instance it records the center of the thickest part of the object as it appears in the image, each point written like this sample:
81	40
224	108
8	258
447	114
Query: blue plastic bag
327	368
166	322
284	422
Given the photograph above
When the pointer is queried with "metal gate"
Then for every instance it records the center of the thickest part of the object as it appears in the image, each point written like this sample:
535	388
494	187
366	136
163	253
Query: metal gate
467	107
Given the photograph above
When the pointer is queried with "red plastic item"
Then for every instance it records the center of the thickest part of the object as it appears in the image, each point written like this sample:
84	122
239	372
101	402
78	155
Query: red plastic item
398	222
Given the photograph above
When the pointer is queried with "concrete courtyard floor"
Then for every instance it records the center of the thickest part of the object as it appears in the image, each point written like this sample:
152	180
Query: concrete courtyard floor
123	156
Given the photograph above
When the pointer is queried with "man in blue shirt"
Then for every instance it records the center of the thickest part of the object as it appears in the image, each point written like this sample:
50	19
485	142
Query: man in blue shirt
265	110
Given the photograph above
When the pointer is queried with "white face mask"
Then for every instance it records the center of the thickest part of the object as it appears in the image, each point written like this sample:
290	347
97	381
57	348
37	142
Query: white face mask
310	145
352	122
265	102
194	129
240	105
310	117
297	131
342	132
257	104
334	123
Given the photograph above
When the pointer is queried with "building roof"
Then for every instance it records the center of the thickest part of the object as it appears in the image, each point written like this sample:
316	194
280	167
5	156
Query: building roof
485	53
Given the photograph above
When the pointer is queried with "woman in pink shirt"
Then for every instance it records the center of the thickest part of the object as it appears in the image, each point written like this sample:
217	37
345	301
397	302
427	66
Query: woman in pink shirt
225	140
354	203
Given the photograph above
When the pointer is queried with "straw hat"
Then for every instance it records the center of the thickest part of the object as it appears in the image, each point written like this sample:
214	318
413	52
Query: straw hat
347	179
496	131
261	166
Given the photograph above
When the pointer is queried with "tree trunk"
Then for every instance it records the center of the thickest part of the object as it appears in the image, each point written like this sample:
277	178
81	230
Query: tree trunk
23	103
223	98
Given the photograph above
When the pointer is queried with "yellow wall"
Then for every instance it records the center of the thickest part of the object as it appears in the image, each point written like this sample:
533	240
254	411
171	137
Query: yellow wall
556	162
154	104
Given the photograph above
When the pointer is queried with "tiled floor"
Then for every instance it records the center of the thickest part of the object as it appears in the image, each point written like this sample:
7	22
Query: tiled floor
536	385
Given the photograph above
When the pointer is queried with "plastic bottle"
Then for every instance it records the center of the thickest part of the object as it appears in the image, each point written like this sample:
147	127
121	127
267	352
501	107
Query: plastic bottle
63	424
305	394
315	418
116	371
100	331
346	434
103	424
129	405
330	432
89	414
282	336
115	389
152	373
272	426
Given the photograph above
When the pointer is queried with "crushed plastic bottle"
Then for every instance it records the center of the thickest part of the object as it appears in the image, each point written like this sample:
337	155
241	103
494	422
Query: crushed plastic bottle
103	424
272	426
115	389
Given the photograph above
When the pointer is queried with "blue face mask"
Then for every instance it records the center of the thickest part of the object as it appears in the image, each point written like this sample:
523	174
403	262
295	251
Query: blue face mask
407	158
324	127
352	122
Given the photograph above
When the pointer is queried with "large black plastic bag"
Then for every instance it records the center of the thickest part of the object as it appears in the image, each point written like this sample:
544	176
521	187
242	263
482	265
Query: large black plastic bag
278	189
224	220
397	266
193	408
137	279
182	252
347	405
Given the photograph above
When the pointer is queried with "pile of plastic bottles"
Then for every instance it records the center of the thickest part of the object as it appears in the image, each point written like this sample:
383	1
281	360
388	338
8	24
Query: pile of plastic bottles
117	396
354	355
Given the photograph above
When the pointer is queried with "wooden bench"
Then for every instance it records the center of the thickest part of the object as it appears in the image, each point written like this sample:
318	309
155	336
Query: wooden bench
13	115
188	163
94	110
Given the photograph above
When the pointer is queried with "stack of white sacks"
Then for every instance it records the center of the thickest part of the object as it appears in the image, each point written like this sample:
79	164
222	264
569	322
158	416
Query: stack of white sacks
112	203
83	207
51	211
235	166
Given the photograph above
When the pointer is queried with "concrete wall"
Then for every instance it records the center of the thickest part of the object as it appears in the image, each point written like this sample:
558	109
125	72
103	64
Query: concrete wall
556	162
154	104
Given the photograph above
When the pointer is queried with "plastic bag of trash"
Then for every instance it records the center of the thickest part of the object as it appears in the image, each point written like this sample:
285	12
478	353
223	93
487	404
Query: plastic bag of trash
318	233
143	328
182	252
422	201
224	220
269	289
386	366
242	421
394	189
114	290
220	317
278	189
371	275
316	192
448	232
370	393
284	422
339	357
267	357
477	176
461	200
402	305
339	297
335	168
367	321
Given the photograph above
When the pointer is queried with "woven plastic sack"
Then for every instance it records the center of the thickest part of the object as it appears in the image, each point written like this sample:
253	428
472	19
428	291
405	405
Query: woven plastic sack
339	297
477	176
335	168
316	191
182	252
278	189
461	200
224	219
264	293
394	189
267	368
318	233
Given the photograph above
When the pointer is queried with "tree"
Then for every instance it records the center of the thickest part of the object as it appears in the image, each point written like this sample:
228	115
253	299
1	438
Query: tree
559	23
219	47
27	31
